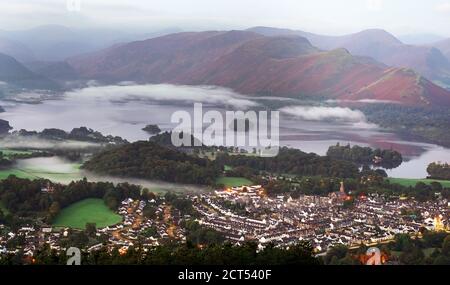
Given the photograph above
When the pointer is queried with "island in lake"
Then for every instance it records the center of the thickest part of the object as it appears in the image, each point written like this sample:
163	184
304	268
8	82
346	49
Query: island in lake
152	129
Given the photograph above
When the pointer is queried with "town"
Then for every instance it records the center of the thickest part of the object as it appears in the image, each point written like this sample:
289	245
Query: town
247	213
324	221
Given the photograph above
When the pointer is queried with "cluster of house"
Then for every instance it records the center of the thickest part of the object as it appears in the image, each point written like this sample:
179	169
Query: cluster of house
150	231
323	221
247	213
27	234
134	227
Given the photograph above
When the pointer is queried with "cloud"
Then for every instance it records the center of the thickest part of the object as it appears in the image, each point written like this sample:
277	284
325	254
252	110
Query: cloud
165	93
324	113
374	5
338	114
443	7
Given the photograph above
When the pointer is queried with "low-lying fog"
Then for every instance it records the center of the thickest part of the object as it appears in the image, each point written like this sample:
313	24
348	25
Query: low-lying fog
124	109
54	165
39	143
60	170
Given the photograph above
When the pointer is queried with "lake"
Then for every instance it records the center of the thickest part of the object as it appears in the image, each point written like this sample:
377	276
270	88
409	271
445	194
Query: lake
125	110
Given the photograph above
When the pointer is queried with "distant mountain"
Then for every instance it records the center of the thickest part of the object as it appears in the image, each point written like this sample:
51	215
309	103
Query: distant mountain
56	43
15	74
56	70
381	46
444	47
420	39
17	50
159	59
255	64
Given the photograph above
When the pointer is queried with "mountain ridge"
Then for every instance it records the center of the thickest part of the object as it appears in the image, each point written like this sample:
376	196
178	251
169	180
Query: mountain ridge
13	73
381	46
254	64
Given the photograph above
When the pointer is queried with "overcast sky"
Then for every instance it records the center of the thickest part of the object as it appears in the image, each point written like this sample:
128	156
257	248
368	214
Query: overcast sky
322	16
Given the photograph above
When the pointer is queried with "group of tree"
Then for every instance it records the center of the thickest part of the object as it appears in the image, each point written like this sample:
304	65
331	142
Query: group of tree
197	234
322	186
426	123
78	134
165	139
412	251
150	160
366	155
293	161
183	254
5	162
439	171
181	203
152	129
403	250
25	198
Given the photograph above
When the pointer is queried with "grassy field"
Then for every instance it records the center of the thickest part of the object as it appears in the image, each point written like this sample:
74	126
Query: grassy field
86	211
233	181
227	167
413	182
17	172
8	152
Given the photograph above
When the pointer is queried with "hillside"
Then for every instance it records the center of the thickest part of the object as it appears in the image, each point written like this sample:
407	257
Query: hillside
149	160
16	49
15	74
254	64
381	46
444	46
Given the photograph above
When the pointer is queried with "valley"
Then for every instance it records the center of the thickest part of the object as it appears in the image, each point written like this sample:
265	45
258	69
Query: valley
88	160
125	110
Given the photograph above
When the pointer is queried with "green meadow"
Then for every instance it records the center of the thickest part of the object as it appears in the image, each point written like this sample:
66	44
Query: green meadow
227	167
233	181
413	182
86	211
16	172
8	152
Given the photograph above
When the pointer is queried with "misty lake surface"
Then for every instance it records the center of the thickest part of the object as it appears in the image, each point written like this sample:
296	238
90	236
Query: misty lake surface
125	110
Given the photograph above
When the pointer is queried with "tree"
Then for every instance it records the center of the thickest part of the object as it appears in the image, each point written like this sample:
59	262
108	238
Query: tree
442	260
2	216
434	239
403	242
335	254
414	256
149	211
54	209
91	229
446	246
439	171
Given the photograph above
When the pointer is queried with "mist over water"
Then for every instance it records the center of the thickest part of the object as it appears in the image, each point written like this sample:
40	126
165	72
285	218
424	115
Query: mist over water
123	110
325	113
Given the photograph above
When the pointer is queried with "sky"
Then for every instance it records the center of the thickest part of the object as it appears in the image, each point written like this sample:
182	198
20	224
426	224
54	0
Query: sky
332	17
